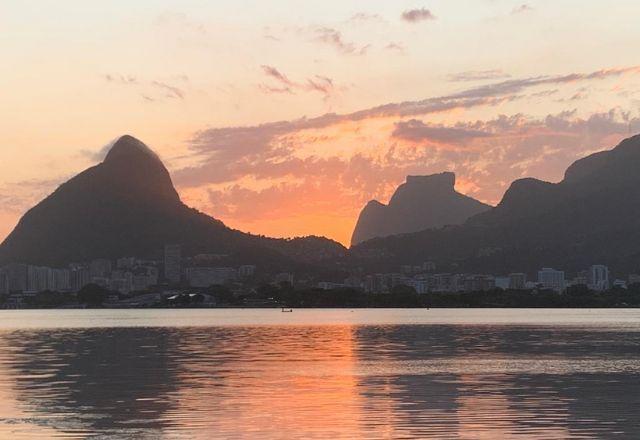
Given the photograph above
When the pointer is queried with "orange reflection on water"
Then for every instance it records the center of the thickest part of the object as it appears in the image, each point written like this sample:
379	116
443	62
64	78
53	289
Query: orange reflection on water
309	381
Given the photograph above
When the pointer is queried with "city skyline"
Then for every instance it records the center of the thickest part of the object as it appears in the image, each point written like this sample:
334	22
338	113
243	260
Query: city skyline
233	101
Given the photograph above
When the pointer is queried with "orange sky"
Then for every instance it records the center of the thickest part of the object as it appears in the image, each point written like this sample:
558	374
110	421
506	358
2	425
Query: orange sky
232	97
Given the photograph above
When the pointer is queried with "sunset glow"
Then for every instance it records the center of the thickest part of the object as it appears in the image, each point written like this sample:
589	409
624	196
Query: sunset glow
285	121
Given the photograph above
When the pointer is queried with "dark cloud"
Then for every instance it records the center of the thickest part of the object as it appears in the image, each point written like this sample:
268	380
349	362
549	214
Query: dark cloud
414	130
417	15
478	75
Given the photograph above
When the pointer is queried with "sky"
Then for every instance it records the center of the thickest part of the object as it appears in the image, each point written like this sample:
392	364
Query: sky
284	117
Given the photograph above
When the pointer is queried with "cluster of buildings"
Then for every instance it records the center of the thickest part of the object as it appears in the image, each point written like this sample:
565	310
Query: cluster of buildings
424	280
125	275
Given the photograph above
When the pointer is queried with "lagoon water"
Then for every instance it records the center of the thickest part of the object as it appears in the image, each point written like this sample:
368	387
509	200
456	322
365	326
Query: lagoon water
254	374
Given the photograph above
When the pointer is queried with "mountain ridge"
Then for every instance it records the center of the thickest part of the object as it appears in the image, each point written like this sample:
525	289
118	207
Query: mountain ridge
421	202
591	216
127	206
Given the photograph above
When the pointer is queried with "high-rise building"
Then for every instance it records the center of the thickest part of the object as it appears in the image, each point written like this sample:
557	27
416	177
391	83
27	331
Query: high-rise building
172	263
17	274
551	279
61	280
79	277
598	277
39	279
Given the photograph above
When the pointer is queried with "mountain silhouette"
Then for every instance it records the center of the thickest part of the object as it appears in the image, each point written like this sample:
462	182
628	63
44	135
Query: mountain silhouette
591	216
127	206
422	202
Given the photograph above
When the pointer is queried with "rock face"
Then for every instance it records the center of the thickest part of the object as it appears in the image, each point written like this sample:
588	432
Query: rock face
422	202
591	217
127	206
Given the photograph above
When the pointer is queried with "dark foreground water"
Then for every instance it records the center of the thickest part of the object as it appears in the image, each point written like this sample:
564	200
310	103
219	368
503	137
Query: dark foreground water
488	374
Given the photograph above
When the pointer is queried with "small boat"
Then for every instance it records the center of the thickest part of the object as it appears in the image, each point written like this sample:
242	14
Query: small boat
287	310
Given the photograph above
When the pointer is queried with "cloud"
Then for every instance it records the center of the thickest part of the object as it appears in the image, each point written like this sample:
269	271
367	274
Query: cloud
18	197
417	15
418	131
334	38
170	91
361	17
224	151
478	75
276	74
523	8
397	47
151	90
332	164
316	83
121	79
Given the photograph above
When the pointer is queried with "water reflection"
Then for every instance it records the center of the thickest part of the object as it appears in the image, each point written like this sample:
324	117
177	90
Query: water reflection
341	381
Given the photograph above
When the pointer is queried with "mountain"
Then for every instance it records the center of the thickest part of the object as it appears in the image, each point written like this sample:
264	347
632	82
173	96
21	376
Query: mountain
591	216
422	202
127	206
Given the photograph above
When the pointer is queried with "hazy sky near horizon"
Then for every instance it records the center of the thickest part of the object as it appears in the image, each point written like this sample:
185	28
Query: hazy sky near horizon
285	117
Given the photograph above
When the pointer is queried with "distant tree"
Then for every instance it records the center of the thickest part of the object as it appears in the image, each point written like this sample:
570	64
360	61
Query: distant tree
92	295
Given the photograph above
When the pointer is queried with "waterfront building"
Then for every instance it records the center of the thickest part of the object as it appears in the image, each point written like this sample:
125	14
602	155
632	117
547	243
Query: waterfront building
517	281
551	279
598	277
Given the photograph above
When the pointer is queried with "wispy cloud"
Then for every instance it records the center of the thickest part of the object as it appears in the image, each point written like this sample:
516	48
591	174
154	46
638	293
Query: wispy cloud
478	75
151	90
396	47
417	15
316	83
335	39
521	9
362	17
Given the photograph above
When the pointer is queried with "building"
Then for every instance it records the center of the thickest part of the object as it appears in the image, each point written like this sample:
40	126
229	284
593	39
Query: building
126	263
598	277
246	271
61	280
39	279
633	279
172	263
202	277
79	277
503	282
17	275
375	283
100	268
551	279
517	281
284	277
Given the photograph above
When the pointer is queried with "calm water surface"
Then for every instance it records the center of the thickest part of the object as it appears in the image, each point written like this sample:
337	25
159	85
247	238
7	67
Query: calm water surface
254	374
